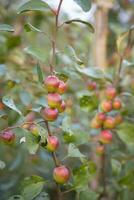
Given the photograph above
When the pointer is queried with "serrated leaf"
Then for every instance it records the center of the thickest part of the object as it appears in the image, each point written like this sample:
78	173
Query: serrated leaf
84	4
90	26
33	5
29	27
6	27
40	74
74	152
71	53
36	52
8	101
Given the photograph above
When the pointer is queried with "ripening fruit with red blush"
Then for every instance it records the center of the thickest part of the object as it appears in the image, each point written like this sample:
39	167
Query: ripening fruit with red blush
34	130
106	106
50	114
106	137
62	87
109	123
111	92
95	123
54	100
91	85
62	107
100	149
118	119
52	83
52	143
117	104
101	117
7	137
61	174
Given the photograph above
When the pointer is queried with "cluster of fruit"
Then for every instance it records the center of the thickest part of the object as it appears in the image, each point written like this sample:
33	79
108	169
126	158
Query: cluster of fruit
107	119
55	88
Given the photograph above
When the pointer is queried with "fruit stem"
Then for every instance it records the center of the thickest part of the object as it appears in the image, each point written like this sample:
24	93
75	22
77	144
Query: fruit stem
52	65
56	161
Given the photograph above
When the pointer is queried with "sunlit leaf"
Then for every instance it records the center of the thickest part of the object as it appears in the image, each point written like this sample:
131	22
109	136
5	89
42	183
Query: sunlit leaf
33	5
84	4
8	101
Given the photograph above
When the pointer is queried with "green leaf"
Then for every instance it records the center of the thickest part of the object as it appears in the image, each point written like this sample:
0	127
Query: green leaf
84	4
29	27
31	143
40	74
8	101
36	52
90	26
6	27
16	197
62	76
74	152
71	53
42	133
88	195
92	72
89	102
126	132
33	5
30	191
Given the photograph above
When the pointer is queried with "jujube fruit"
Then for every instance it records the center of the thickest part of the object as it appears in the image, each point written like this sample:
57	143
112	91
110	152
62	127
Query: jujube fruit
106	106
54	100
7	137
62	107
61	174
117	104
106	137
50	114
111	92
52	143
62	87
109	123
51	83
